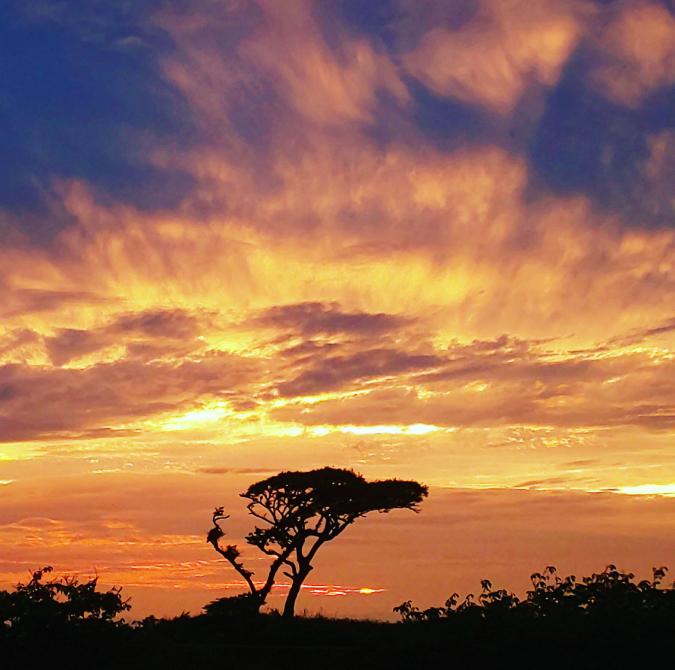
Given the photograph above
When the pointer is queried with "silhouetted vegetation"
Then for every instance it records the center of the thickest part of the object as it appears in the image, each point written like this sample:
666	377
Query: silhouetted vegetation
609	594
44	618
607	620
301	511
41	604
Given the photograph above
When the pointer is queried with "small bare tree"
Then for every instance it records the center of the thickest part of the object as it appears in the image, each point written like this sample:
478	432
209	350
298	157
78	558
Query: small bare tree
301	511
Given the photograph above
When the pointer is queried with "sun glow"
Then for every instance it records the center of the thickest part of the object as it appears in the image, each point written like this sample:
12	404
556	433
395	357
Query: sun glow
198	418
650	489
333	590
367	591
412	429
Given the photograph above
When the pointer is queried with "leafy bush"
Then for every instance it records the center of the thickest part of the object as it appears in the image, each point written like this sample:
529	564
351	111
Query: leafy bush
242	605
610	593
57	602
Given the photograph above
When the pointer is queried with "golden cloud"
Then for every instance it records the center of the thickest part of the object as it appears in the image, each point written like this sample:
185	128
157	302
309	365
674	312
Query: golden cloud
494	57
637	53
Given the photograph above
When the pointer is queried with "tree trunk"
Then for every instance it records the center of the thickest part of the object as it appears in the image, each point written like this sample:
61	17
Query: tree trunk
294	592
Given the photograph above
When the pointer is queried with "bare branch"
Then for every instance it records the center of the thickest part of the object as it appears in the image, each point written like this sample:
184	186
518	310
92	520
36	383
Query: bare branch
231	553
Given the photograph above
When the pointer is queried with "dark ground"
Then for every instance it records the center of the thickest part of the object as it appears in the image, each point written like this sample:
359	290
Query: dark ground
271	642
606	620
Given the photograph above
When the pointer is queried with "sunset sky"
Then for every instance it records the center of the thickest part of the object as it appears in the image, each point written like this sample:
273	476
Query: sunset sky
425	239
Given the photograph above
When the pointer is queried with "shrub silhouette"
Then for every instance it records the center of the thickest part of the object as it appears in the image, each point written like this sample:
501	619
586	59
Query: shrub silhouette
239	606
610	594
607	620
301	511
57	602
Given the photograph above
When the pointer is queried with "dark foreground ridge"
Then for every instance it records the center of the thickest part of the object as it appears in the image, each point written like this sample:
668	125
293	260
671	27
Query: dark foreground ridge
602	621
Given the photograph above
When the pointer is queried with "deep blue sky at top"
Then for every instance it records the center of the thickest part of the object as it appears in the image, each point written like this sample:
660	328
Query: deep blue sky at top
82	93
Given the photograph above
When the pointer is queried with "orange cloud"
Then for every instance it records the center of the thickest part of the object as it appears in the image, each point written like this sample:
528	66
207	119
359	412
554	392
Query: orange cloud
43	402
493	58
493	384
637	53
313	81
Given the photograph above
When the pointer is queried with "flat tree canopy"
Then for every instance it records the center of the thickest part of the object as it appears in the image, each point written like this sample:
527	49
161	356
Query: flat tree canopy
300	511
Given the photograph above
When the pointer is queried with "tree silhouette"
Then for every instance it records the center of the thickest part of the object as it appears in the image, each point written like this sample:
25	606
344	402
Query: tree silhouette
301	511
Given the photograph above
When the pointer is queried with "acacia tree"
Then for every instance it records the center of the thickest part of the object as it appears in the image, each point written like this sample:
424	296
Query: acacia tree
298	512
